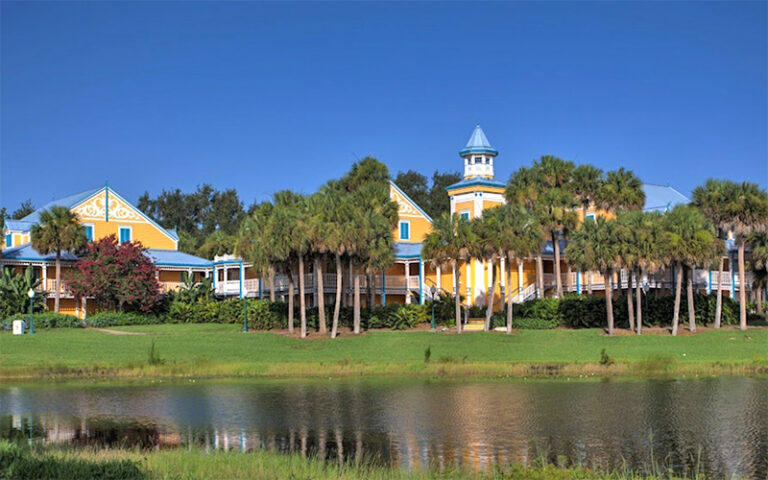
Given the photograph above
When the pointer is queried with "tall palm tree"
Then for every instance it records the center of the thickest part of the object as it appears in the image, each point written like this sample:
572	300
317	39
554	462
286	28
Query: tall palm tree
643	233
520	239
524	188
713	199
337	212
488	232
688	241
446	245
289	245
747	212
58	231
758	243
600	244
587	181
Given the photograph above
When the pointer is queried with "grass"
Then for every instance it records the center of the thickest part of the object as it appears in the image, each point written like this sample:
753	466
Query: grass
22	462
221	350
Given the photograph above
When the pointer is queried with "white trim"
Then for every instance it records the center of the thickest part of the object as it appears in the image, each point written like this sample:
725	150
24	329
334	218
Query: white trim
119	233
400	229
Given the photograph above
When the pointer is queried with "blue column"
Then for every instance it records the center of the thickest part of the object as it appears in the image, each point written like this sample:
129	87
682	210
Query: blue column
261	295
241	279
421	281
578	283
733	278
709	283
383	289
214	277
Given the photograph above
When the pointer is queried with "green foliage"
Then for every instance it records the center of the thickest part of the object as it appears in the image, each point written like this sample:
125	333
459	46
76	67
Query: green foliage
13	292
547	309
191	291
606	359
428	354
153	355
44	320
118	319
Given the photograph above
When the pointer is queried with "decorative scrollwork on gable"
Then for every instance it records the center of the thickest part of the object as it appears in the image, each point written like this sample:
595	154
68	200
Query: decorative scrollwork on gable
404	207
95	209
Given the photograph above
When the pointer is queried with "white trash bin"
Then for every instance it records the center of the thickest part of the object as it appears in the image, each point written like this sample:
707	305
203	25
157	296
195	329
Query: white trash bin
19	326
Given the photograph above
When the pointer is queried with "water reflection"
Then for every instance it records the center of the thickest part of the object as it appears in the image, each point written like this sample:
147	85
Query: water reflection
719	425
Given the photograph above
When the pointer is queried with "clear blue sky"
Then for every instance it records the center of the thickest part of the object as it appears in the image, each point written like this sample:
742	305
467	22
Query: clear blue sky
267	96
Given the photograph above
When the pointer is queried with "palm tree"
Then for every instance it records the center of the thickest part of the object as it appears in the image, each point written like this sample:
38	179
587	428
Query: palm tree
688	241
520	238
252	244
758	243
446	245
336	212
488	232
642	231
58	231
713	199
598	241
287	247
587	181
747	212
524	188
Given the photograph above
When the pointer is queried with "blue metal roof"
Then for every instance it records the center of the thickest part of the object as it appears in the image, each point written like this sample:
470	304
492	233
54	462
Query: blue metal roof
176	258
662	198
68	202
18	225
27	253
159	257
407	250
478	143
474	181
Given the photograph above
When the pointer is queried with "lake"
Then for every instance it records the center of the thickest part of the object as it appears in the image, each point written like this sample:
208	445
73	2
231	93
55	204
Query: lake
718	425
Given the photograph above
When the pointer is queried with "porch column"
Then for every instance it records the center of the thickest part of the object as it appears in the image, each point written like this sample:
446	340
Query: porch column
488	286
407	282
439	282
45	276
709	282
520	282
578	283
213	273
85	308
225	279
733	277
383	289
469	282
242	289
421	281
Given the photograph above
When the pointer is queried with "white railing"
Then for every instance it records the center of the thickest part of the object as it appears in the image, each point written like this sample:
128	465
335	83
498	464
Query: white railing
232	287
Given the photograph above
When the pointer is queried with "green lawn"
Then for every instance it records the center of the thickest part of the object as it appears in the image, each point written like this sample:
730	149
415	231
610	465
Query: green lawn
214	349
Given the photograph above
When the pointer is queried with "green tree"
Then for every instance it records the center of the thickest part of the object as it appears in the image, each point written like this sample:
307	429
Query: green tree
58	231
621	191
217	243
758	243
747	212
688	240
253	245
597	247
447	244
488	246
13	292
415	186
438	200
291	215
587	181
713	199
24	209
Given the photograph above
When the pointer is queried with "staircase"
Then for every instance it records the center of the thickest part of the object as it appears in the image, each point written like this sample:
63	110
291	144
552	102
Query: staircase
474	325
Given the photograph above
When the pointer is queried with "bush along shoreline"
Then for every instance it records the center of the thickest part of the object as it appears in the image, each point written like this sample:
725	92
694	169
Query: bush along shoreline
572	311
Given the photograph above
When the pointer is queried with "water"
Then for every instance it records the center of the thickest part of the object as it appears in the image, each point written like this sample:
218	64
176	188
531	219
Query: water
719	426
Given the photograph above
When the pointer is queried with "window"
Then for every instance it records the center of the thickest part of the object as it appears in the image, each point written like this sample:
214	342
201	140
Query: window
89	232
464	214
125	234
405	230
8	240
590	215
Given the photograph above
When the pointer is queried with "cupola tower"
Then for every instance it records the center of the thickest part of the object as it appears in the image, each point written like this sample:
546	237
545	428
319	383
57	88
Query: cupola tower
478	155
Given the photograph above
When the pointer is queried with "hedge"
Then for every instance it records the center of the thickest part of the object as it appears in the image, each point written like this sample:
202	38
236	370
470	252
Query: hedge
44	320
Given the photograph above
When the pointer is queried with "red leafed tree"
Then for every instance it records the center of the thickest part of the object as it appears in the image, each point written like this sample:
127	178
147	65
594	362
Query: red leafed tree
116	276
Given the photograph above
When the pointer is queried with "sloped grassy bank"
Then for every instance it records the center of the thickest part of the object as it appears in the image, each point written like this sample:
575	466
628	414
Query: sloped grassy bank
213	350
22	462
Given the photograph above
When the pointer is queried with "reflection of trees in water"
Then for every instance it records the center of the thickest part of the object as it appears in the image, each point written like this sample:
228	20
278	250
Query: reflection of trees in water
437	424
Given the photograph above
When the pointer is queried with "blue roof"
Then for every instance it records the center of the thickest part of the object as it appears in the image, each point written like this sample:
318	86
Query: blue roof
176	258
478	143
407	250
18	225
159	257
471	182
27	253
662	198
68	202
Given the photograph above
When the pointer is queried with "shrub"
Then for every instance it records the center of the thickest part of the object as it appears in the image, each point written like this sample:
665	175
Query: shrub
533	323
118	319
261	315
404	317
541	308
45	320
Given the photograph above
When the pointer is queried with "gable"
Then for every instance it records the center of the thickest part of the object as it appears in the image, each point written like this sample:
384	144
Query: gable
406	208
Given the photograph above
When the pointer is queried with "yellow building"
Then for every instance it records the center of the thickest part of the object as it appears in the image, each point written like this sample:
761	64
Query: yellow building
102	212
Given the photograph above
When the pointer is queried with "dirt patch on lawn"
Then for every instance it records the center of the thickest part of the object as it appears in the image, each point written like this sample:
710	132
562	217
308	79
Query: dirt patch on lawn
114	332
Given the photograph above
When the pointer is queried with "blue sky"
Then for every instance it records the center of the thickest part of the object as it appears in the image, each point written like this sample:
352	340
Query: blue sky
266	96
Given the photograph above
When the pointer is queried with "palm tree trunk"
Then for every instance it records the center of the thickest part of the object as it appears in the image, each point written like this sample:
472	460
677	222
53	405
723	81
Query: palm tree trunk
456	296
742	287
291	300
489	297
350	301
337	304
689	292
271	284
719	305
57	297
302	307
322	327
539	276
630	304
678	288
589	282
558	280
609	301
638	297
509	294
356	302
